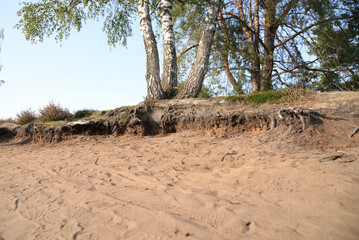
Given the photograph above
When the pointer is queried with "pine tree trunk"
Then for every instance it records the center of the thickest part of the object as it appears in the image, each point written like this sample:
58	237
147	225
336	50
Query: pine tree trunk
253	39
255	75
235	84
169	75
256	65
225	55
199	68
269	27
154	90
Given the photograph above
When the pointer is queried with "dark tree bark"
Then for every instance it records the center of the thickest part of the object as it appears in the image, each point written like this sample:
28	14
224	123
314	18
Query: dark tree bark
270	28
199	68
154	90
225	55
169	75
256	65
251	32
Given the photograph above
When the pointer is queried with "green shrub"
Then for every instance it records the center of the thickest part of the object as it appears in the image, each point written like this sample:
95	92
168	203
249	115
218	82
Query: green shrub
265	97
53	112
84	113
26	117
240	98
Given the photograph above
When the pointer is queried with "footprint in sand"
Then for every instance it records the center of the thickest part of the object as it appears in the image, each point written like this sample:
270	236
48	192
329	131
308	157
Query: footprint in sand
86	217
32	212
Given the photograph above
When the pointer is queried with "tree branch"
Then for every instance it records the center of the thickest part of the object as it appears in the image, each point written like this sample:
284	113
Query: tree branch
188	49
247	27
309	27
295	67
285	12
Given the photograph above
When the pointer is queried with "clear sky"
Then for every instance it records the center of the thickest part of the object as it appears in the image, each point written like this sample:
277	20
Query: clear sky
82	73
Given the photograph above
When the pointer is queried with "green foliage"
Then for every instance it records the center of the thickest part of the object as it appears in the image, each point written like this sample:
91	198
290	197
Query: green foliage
53	112
241	98
26	117
47	17
258	98
330	33
269	97
337	45
265	97
84	113
334	41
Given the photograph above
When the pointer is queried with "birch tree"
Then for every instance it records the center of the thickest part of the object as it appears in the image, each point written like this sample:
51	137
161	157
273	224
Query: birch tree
169	75
57	17
199	68
154	89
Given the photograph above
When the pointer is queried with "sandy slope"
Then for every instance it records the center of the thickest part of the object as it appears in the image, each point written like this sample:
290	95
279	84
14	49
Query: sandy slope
182	186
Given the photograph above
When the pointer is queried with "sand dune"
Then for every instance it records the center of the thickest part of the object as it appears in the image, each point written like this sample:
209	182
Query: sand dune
181	186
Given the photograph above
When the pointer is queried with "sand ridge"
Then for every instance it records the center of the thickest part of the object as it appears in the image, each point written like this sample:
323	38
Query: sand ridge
182	186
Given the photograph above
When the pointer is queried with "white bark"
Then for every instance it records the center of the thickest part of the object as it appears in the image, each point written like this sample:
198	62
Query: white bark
199	68
169	75
154	90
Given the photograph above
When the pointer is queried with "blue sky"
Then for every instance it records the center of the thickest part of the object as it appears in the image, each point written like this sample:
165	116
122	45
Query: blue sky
82	73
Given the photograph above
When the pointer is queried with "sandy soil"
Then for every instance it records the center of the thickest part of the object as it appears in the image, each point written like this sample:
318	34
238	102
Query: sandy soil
182	186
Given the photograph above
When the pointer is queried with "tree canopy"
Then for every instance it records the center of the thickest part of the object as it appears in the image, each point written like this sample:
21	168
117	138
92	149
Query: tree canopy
58	17
238	45
47	17
263	45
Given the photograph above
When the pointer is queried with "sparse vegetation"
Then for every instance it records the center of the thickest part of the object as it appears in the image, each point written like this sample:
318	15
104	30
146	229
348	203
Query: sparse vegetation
7	120
84	113
52	123
269	97
53	112
26	117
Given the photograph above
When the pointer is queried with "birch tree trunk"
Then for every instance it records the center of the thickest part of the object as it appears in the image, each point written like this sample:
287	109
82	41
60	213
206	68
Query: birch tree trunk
199	68
154	90
169	74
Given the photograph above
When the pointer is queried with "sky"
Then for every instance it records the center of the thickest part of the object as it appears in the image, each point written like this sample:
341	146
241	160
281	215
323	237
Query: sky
83	73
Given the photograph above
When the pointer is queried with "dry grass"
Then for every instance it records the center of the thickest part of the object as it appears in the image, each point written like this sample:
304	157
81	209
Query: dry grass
54	112
26	117
7	120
